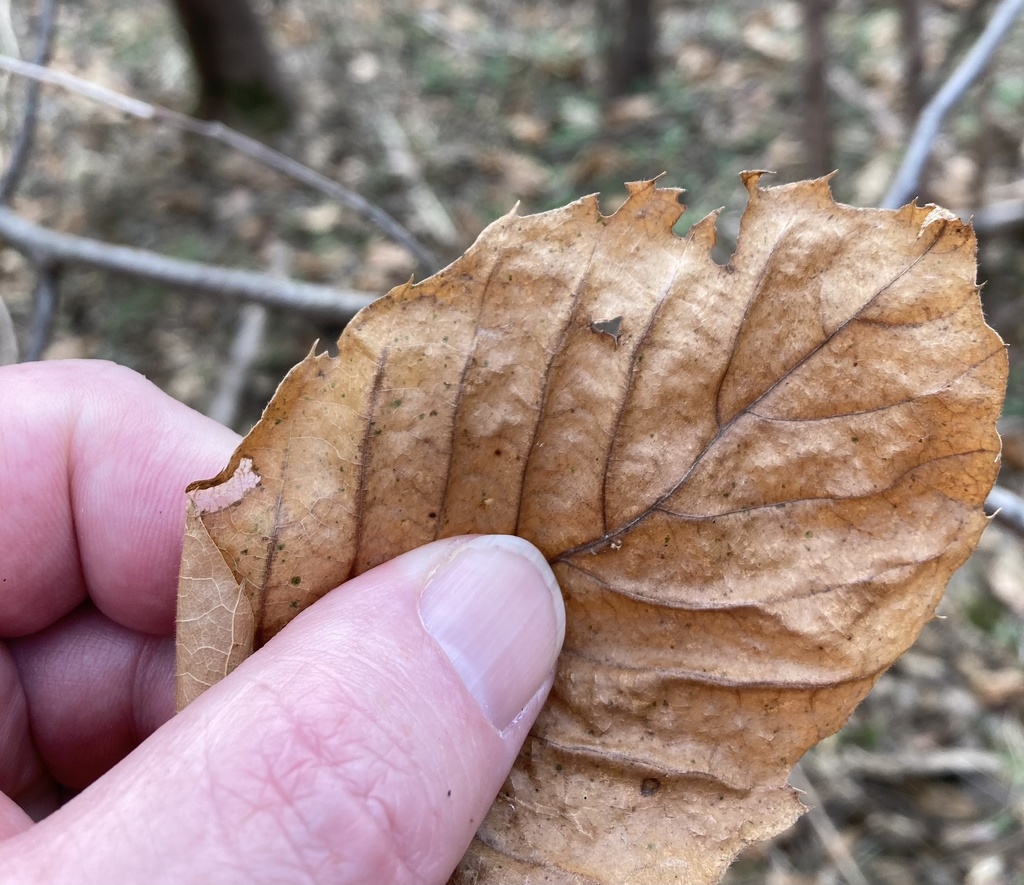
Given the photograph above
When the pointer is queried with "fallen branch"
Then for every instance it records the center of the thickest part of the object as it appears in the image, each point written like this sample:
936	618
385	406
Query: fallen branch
8	340
907	180
855	93
46	247
26	135
216	131
1006	507
938	763
426	206
44	309
826	831
1001	216
245	349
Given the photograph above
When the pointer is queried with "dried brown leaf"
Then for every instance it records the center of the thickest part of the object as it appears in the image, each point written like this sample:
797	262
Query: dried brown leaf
752	481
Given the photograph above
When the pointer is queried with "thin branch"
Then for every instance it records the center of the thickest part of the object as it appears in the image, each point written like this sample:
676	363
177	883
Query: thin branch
22	149
938	763
1002	216
43	246
426	206
826	831
216	131
905	185
1006	507
8	340
44	300
245	349
853	92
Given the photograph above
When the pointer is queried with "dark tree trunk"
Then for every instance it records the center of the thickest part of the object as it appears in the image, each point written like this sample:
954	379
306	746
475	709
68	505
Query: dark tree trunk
239	81
913	60
817	117
628	35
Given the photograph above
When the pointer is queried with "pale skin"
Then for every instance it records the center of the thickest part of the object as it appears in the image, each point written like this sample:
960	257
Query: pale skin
350	749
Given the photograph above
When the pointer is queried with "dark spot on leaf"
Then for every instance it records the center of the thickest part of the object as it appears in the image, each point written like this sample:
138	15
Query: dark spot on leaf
296	580
612	328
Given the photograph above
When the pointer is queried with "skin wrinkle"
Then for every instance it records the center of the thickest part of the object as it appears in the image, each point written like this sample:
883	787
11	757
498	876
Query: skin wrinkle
21	769
147	678
46	524
282	776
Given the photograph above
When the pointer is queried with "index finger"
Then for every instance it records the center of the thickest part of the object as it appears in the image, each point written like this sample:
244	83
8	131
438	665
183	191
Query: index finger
94	461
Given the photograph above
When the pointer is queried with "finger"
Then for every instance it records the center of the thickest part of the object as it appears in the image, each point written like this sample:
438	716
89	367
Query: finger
23	776
94	463
13	819
94	691
363	744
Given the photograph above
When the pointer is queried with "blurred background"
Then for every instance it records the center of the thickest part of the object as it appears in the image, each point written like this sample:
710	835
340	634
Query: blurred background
446	115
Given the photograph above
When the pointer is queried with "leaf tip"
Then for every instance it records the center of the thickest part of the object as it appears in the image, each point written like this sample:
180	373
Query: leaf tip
705	232
647	200
750	178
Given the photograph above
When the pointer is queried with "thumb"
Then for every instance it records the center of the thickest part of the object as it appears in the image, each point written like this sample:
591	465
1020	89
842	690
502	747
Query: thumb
364	743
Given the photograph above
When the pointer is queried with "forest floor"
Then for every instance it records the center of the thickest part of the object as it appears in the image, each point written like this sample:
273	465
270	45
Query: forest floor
447	114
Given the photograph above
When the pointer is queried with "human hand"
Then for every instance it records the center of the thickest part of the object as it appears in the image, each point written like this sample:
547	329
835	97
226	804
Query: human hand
364	743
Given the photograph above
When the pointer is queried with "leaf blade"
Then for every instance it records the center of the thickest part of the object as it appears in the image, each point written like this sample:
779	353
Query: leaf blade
752	492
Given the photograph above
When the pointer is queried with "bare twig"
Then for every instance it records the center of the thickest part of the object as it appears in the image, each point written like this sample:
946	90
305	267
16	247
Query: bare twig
826	830
1005	215
44	246
8	340
937	763
44	309
853	92
26	136
905	185
216	131
252	323
1006	507
431	213
245	349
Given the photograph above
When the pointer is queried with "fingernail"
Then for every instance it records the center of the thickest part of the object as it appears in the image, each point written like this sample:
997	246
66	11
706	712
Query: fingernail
496	611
